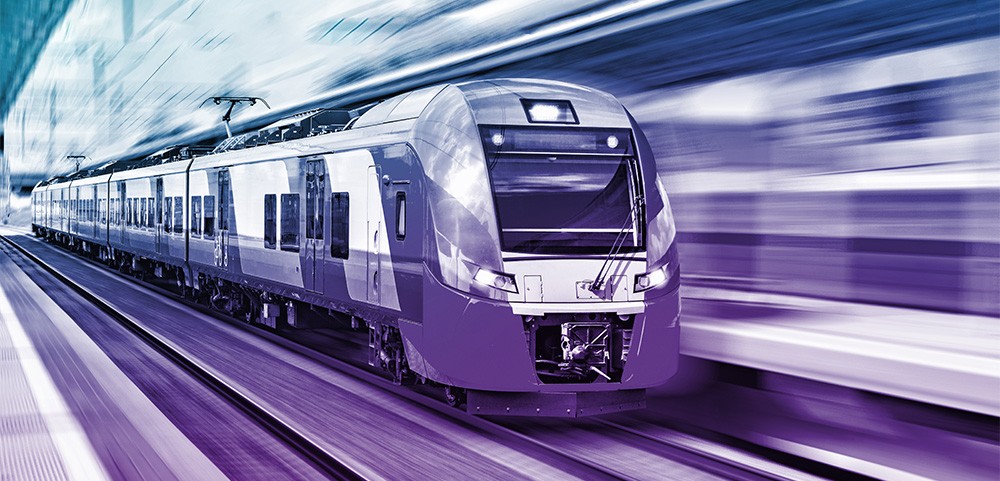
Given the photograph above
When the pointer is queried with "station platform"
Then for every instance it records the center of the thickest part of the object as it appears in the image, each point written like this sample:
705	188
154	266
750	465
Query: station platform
67	412
944	359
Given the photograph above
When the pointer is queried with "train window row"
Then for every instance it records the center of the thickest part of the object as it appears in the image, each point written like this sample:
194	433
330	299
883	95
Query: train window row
141	212
136	212
289	223
173	215
85	210
202	216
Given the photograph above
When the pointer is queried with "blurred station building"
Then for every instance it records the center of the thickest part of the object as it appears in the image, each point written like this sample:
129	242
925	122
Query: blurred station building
840	149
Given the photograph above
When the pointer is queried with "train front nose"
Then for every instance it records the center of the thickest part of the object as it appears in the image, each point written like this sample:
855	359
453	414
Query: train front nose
560	305
582	331
578	345
549	359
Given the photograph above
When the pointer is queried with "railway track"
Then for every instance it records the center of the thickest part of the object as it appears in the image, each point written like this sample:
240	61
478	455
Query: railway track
703	455
322	459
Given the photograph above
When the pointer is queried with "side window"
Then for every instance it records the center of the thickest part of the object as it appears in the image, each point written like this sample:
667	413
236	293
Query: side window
224	199
209	216
142	212
400	215
159	201
178	215
310	205
270	220
320	204
339	222
167	213
122	203
290	222
196	216
314	201
151	220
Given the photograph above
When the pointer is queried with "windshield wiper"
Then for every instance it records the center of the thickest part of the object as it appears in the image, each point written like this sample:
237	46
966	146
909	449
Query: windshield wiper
617	246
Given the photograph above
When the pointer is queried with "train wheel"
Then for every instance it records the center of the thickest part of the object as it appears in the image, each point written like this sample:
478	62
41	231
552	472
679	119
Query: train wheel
454	396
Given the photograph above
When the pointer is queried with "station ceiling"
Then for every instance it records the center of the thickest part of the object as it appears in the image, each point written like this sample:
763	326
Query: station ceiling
24	29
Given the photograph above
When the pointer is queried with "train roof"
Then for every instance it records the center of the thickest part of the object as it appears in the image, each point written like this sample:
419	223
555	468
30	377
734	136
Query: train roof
497	101
506	102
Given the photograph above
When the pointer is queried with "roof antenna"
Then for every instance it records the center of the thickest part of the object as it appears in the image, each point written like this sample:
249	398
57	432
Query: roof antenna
77	159
232	103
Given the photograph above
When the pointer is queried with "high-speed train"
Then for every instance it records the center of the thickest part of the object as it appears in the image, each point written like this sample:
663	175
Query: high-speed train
507	239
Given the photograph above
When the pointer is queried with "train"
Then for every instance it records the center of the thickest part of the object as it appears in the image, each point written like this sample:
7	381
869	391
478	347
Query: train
508	239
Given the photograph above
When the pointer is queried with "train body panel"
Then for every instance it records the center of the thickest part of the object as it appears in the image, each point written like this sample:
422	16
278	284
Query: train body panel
90	191
499	236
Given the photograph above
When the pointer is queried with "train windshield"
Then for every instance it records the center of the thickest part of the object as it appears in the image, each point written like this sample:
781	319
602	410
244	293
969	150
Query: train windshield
565	203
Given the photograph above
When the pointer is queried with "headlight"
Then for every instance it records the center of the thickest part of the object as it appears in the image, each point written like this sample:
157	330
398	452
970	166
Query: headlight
651	279
496	280
549	111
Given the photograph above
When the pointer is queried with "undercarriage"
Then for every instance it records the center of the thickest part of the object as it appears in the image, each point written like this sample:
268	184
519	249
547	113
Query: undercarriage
579	348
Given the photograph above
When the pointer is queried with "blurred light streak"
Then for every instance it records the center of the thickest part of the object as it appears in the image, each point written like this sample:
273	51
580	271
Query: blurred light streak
806	151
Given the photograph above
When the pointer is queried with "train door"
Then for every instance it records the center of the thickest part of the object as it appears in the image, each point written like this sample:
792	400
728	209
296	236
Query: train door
315	246
63	223
74	226
93	210
122	201
374	208
222	233
158	238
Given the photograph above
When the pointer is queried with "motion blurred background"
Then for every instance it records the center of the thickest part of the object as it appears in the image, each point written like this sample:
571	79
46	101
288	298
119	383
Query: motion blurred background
839	149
